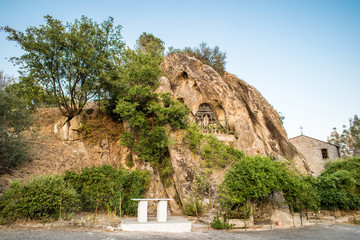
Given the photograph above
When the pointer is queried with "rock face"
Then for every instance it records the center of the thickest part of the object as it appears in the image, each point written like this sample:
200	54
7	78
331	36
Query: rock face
253	126
236	105
67	130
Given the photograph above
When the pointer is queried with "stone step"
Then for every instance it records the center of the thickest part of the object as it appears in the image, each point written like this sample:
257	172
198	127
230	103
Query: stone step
199	227
174	224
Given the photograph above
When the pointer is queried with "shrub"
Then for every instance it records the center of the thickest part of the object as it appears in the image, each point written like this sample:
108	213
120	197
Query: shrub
217	223
135	184
95	185
254	179
339	185
45	197
104	187
214	152
11	203
300	192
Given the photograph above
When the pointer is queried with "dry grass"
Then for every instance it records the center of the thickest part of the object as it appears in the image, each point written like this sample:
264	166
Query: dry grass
49	155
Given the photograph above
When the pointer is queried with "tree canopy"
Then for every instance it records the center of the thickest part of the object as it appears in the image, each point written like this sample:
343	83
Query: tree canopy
14	119
209	56
349	139
68	60
151	44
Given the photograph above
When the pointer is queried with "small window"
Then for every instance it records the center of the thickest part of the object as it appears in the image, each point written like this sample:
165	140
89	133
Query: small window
324	153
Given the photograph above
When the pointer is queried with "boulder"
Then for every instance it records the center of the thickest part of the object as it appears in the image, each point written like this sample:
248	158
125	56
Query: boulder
67	130
238	107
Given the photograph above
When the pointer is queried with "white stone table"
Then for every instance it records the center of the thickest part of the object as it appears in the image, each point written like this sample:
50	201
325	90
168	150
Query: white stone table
143	208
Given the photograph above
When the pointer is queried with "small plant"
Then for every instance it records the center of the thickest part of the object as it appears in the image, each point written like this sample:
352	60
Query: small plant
129	160
217	223
86	129
194	207
166	170
241	212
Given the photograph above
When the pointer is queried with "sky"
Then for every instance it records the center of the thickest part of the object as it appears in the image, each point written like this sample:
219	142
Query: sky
302	55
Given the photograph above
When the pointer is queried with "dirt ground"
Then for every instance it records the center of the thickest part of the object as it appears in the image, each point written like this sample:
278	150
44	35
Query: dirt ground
49	155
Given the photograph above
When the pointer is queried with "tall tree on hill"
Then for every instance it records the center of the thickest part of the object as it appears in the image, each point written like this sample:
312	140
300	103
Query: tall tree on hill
349	139
69	61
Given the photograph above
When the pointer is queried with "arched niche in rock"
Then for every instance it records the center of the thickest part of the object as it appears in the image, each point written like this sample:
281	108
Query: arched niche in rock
212	119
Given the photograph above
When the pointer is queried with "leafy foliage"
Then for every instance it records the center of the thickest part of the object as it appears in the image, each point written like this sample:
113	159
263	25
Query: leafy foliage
339	185
45	197
14	119
104	187
150	44
193	207
146	110
349	139
68	61
217	223
256	178
209	56
33	94
54	197
214	152
301	194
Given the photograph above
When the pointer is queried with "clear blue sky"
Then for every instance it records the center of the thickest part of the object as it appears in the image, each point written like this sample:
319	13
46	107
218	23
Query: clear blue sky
302	55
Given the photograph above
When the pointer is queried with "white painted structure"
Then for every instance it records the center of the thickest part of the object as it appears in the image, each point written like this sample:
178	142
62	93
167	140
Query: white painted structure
143	208
174	224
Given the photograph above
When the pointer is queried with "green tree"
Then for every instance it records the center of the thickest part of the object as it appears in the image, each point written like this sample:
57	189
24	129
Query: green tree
146	110
68	61
209	56
349	139
14	119
151	44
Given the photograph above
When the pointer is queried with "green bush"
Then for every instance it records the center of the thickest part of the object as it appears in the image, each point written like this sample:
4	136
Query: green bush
300	192
254	179
11	203
104	187
339	185
214	152
53	197
45	197
217	223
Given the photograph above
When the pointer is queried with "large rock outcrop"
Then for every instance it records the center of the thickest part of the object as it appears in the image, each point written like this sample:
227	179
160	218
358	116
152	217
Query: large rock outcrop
237	106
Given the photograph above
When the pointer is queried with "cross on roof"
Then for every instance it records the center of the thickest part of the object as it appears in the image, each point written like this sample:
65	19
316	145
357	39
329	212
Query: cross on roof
301	128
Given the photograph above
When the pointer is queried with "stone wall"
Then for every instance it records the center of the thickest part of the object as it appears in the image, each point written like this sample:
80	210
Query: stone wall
312	150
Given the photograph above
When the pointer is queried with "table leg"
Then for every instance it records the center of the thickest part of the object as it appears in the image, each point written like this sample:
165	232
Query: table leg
162	211
142	211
